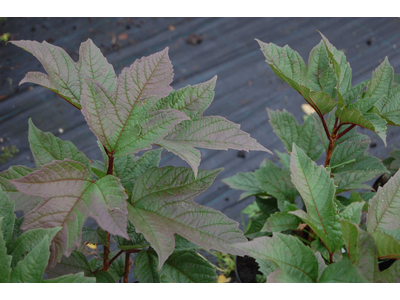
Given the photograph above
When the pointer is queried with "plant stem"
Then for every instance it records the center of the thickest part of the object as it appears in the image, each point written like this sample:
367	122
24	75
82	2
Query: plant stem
329	152
330	258
126	270
106	263
116	256
346	131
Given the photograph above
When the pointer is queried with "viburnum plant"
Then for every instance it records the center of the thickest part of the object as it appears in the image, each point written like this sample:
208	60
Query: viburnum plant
315	223
138	206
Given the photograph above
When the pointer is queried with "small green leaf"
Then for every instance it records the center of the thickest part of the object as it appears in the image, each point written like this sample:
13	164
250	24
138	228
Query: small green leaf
342	271
288	131
94	236
323	102
381	81
32	267
75	263
104	277
46	147
28	241
245	182
276	182
352	212
321	75
286	64
21	201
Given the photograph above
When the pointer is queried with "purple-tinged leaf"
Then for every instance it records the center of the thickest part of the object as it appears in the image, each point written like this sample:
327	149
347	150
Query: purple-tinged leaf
69	197
384	207
208	132
64	76
121	120
162	205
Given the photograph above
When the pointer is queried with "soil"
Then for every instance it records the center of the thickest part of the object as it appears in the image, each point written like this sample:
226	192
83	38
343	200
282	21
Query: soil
246	269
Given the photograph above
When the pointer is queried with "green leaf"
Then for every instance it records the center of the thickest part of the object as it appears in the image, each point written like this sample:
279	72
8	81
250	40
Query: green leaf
281	221
136	240
104	277
265	266
276	182
146	263
5	260
389	106
321	74
361	249
352	212
245	182
297	262
21	201
17	232
321	264
342	271
117	268
94	236
192	100
130	167
180	267
71	278
7	213
353	92
286	64
317	191
121	120
323	102
288	131
212	132
381	81
162	205
32	267
370	121
387	245
75	263
390	275
28	241
384	210
340	65
46	147
70	197
64	75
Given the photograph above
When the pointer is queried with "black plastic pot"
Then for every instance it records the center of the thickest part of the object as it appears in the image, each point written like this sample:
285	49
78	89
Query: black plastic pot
246	269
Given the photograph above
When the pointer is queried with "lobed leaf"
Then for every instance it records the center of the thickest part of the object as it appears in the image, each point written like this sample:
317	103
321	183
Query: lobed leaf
64	76
69	197
162	205
208	132
245	182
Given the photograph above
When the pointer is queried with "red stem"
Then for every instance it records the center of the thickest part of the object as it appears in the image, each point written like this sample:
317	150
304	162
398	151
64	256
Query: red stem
126	270
346	131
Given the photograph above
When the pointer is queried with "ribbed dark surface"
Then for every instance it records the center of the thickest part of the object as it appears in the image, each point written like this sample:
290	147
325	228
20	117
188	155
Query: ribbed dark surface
245	87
